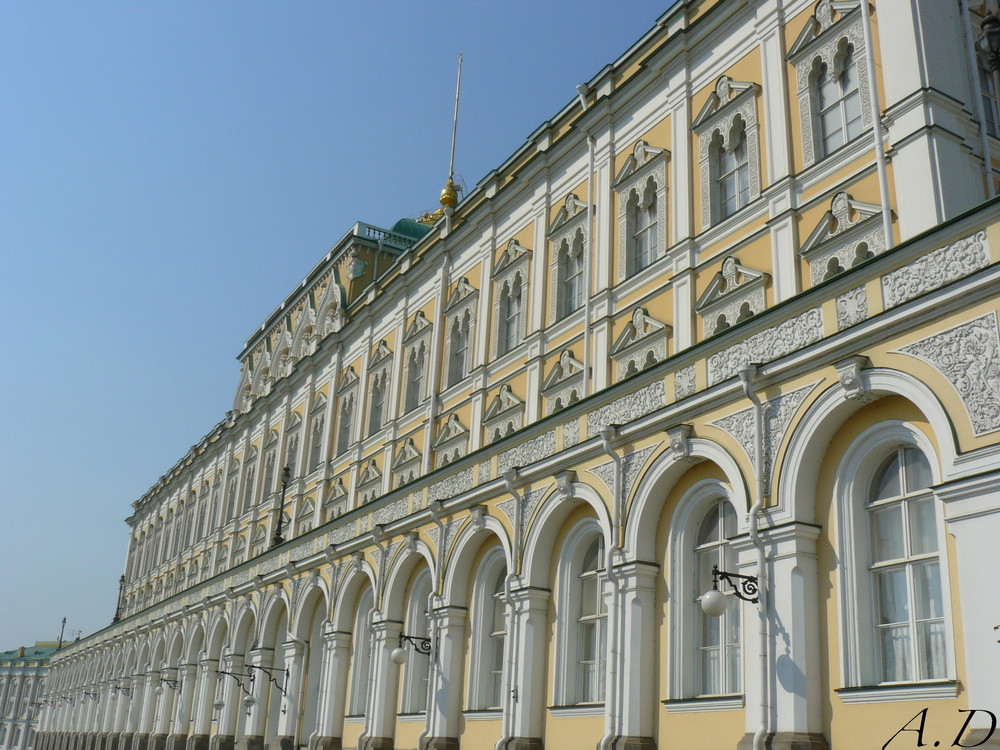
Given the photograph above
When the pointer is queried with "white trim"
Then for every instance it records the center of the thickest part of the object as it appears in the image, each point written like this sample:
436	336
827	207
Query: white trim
582	709
707	703
915	691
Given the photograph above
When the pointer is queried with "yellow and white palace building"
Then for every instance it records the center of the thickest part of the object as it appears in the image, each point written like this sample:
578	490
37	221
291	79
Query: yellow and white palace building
735	303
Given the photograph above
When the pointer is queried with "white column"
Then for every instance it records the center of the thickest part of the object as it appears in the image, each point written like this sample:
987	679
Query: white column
294	656
383	695
201	711
444	711
230	694
527	704
181	722
148	684
333	683
257	721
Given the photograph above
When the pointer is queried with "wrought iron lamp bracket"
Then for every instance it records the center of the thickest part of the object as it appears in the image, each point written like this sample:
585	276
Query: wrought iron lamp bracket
420	645
745	587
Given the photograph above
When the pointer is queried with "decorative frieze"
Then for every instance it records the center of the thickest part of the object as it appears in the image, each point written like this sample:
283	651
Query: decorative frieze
627	408
535	449
684	382
642	344
393	511
765	346
450	486
571	433
735	294
632	464
968	356
778	413
531	500
934	270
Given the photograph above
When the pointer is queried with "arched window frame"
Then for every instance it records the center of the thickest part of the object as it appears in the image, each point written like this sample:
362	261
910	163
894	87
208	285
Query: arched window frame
416	368
417	670
344	423
838	95
987	91
292	440
579	682
316	434
688	583
569	265
488	642
249	481
459	347
860	654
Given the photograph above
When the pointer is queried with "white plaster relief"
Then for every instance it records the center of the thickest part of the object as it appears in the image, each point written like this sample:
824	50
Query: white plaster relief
684	382
852	308
735	293
393	511
484	472
645	161
627	408
530	502
934	270
642	343
968	355
767	345
528	452
571	433
778	413
451	486
632	464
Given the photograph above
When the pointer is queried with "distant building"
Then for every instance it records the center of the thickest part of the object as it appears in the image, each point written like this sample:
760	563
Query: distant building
22	677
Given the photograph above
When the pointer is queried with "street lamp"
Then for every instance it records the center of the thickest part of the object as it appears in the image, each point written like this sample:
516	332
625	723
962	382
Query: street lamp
713	602
277	539
989	42
420	645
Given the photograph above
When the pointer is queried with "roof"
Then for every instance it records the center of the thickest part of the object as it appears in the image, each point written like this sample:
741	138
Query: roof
41	651
410	228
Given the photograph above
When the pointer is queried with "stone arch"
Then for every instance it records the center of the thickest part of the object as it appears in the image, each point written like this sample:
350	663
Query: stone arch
270	633
809	439
642	518
314	594
355	581
403	569
194	644
549	521
466	547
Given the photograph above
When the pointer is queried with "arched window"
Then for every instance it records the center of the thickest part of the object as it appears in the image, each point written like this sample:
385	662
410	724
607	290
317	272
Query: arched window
216	509
894	586
221	559
292	444
270	462
376	412
307	513
361	656
489	634
259	542
415	368
344	425
839	102
905	570
989	96
249	480
510	325
642	224
584	628
458	356
417	668
733	172
232	486
718	668
569	291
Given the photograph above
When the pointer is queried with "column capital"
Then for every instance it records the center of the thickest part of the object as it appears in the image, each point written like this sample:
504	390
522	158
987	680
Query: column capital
533	596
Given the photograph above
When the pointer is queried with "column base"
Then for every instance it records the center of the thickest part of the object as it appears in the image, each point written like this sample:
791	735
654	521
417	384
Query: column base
327	743
102	741
125	741
787	741
524	743
197	742
222	742
140	741
284	742
177	742
630	742
158	741
379	743
440	743
253	742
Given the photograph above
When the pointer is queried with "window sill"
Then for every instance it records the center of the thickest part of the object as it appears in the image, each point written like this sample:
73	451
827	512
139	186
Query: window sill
411	717
483	714
355	719
899	691
580	709
706	703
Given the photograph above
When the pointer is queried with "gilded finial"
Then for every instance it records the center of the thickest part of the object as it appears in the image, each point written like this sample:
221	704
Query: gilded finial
449	196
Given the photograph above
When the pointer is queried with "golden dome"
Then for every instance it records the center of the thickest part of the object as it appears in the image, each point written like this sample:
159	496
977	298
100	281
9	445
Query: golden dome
449	197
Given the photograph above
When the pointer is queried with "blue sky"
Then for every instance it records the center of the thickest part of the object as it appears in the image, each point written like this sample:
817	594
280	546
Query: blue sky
168	172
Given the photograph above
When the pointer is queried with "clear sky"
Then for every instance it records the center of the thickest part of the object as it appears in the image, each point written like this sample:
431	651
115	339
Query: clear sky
168	172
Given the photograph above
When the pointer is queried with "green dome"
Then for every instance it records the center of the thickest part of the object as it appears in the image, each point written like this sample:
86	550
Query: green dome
410	228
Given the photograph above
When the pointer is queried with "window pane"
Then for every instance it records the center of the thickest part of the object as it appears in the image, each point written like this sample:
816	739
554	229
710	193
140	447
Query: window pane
927	591
932	653
887	482
887	533
923	527
709	629
896	653
708	531
916	470
710	672
893	606
588	596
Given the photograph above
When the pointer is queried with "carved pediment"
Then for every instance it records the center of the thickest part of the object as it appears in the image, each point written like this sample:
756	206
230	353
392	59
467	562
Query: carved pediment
418	326
452	430
381	353
827	14
727	93
844	213
348	378
407	455
640	328
505	401
463	292
732	279
337	490
572	209
567	368
642	155
370	474
849	233
514	254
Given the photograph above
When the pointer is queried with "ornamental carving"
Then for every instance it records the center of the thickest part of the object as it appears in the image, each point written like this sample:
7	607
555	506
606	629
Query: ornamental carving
735	294
684	382
968	356
528	452
848	234
778	413
642	344
646	162
822	42
451	486
852	308
934	270
485	473
571	433
530	501
392	511
567	226
849	375
765	346
627	408
632	464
